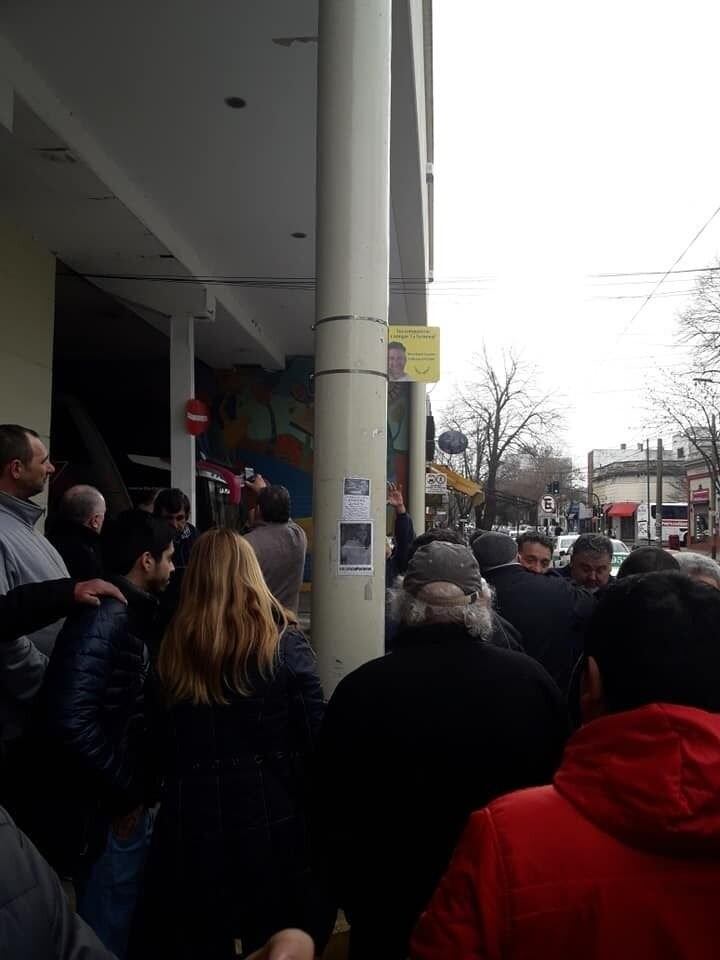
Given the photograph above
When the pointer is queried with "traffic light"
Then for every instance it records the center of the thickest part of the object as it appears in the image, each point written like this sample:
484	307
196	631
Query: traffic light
548	488
556	487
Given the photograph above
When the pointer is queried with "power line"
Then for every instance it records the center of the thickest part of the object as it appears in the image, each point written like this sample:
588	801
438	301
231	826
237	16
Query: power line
667	273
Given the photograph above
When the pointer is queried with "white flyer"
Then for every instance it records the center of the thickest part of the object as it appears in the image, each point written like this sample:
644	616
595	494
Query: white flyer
356	498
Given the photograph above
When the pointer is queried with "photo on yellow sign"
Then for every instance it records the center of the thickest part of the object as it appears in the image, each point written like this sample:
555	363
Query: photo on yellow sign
414	354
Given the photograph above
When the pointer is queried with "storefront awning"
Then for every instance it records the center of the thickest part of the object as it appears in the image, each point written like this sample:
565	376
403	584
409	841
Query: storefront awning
458	483
624	509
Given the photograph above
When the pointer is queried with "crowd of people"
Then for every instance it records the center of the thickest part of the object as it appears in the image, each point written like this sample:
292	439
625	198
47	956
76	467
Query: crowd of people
529	771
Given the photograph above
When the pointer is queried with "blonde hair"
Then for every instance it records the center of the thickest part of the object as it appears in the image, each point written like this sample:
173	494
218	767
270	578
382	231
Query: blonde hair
227	625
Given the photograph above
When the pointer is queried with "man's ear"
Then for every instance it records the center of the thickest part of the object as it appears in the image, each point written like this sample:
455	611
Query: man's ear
592	702
146	561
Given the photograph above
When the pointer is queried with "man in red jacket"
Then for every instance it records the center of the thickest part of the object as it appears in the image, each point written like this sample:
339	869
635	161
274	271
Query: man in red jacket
620	858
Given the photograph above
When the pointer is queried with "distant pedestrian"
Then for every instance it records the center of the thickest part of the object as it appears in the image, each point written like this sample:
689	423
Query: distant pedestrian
25	557
550	613
75	531
238	707
647	560
84	778
414	741
699	567
279	543
535	552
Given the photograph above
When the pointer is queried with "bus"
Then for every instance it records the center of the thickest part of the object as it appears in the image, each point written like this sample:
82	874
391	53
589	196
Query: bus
674	522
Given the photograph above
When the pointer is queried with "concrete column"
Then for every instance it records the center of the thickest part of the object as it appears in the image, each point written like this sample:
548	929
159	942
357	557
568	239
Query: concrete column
353	203
182	388
416	467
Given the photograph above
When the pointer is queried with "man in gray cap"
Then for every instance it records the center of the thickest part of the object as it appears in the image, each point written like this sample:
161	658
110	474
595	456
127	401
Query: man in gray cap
414	741
551	613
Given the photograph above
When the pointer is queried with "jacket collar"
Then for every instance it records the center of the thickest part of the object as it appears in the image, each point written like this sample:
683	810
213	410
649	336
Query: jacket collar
63	527
427	633
25	510
142	606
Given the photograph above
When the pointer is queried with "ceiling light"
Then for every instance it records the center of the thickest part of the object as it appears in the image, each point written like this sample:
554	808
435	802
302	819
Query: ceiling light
235	103
299	235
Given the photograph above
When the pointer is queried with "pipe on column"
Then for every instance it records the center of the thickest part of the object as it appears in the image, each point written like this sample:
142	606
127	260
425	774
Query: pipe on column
182	388
417	461
353	229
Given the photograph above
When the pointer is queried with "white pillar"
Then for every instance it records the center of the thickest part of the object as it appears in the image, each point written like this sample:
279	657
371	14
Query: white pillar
353	203
182	388
416	458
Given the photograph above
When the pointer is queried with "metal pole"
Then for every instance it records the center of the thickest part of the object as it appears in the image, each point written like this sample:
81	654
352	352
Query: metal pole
182	388
417	461
647	460
353	231
713	496
659	493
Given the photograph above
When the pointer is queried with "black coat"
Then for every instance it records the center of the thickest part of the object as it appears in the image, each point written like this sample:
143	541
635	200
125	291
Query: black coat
551	614
83	746
36	922
229	857
410	745
79	547
32	606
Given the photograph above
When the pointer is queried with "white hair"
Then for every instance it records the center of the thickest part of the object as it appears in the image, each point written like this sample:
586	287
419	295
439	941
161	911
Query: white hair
698	565
443	603
80	502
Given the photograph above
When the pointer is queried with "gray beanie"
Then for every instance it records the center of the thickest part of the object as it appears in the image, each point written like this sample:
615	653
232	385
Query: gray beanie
494	550
442	562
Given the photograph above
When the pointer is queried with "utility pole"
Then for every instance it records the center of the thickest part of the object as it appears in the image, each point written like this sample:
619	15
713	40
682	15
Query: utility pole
713	495
659	494
647	461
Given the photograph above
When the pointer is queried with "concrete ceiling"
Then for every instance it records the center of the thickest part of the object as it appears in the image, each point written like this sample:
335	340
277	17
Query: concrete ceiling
124	159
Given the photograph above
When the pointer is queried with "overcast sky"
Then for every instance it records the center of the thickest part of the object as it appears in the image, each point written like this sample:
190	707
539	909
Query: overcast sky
573	139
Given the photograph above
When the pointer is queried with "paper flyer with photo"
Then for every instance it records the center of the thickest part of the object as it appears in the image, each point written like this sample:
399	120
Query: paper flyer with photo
355	548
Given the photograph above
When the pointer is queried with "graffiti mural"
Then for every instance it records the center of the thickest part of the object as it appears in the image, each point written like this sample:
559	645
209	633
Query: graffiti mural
264	420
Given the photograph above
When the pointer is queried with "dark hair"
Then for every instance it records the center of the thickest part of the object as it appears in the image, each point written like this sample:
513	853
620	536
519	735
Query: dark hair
593	543
647	560
540	538
131	534
443	534
15	444
396	345
171	501
475	535
654	638
274	504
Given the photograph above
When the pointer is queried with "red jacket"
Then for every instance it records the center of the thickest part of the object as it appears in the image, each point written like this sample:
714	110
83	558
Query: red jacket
619	860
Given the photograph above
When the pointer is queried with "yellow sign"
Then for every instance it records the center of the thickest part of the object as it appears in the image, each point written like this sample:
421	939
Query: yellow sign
414	354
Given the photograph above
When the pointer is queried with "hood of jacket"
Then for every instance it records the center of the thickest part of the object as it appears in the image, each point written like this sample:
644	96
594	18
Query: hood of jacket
649	777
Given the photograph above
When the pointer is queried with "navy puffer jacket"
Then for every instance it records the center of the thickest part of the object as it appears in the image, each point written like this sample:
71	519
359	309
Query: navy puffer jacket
84	746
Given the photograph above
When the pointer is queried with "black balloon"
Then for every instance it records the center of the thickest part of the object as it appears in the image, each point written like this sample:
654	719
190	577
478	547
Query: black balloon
452	441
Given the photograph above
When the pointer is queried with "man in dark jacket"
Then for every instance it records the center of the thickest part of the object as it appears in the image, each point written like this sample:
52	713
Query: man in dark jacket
88	729
75	531
414	741
550	613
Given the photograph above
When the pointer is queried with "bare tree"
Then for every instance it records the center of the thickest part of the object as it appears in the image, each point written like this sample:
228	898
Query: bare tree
700	325
690	406
501	411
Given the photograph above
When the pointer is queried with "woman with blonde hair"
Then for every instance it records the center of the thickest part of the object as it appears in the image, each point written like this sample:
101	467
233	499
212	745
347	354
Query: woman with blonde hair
238	704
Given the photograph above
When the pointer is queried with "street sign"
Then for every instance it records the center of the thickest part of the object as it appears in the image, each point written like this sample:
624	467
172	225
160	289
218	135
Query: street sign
435	483
548	504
